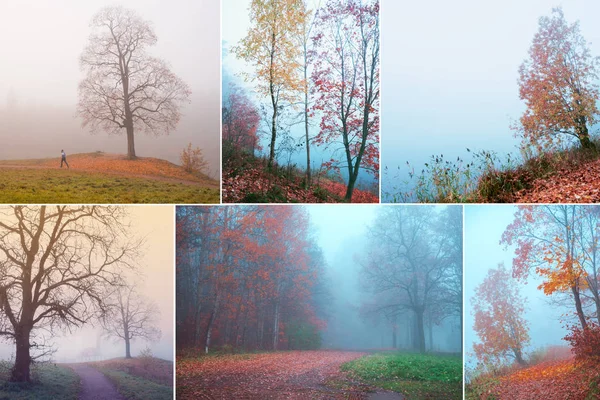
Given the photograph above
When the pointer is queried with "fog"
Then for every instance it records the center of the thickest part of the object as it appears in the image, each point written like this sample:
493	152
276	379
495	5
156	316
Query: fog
41	43
484	226
153	281
235	27
344	235
450	74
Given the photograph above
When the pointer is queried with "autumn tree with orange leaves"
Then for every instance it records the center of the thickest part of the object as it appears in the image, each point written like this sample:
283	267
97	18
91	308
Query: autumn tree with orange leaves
271	48
498	309
246	277
558	83
559	243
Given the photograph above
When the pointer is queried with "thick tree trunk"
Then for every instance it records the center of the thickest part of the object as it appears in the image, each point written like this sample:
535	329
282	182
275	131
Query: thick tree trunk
519	357
20	371
130	142
127	347
420	330
584	135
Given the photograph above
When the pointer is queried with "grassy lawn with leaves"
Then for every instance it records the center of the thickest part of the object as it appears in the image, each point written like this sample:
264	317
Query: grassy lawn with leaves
71	186
49	382
136	388
416	376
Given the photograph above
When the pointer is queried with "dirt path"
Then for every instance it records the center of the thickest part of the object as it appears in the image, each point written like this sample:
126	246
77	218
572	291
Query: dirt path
94	385
288	375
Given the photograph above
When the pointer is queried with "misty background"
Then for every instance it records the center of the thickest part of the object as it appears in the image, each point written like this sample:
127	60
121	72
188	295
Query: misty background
235	25
450	72
484	226
342	233
41	43
154	281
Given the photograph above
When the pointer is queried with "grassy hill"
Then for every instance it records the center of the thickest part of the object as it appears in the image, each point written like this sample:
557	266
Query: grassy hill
103	178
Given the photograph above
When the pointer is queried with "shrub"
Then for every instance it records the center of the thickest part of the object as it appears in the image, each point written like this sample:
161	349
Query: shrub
192	160
585	342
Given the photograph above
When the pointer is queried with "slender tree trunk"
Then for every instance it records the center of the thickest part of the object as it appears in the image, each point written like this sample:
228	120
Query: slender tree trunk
578	307
20	371
394	337
308	177
213	316
276	327
273	103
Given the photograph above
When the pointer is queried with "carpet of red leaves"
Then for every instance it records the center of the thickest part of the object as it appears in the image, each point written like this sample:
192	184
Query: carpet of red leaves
551	380
281	375
256	180
578	185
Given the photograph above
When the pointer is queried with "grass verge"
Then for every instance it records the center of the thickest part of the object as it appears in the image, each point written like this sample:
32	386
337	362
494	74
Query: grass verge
417	376
49	382
137	388
60	186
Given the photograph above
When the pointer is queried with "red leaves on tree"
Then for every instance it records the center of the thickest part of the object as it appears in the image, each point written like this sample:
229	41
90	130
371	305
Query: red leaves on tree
498	310
585	343
240	121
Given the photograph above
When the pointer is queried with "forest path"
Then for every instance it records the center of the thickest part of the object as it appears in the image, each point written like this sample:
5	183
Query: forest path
94	385
580	185
284	375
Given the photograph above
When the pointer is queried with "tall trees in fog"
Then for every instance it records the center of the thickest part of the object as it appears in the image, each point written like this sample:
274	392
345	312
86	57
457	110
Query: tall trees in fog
57	264
247	277
130	316
125	88
413	266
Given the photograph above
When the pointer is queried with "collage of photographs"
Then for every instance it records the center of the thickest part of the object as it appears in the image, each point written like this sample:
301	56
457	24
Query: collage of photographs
299	199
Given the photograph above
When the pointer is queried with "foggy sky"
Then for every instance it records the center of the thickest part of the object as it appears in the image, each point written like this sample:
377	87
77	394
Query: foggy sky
450	69
484	225
41	42
154	281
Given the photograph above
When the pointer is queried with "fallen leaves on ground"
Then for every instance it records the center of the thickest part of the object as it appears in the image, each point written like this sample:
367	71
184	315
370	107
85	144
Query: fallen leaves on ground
117	164
553	380
254	184
580	185
151	368
281	375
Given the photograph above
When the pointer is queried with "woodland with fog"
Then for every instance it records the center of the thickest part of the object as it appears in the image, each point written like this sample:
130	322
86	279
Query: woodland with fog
65	272
265	280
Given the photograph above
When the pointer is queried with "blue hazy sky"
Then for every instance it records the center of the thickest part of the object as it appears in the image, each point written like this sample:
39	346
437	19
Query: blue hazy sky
484	225
449	74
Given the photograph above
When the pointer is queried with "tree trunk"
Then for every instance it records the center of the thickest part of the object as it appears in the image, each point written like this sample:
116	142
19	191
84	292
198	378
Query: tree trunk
578	306
420	330
273	103
130	142
20	371
213	316
583	134
127	347
308	177
394	337
276	327
519	357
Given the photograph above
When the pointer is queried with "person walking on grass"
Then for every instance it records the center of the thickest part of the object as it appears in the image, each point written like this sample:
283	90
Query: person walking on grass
63	159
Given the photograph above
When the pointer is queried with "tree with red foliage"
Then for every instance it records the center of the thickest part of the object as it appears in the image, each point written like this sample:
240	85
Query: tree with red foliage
558	85
240	121
346	77
247	277
498	309
585	343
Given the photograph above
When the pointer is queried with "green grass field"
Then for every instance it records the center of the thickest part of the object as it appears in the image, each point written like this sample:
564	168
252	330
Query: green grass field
137	388
417	376
50	382
59	186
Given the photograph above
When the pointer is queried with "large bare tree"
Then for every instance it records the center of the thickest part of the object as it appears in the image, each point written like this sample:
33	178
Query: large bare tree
57	263
132	317
125	88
